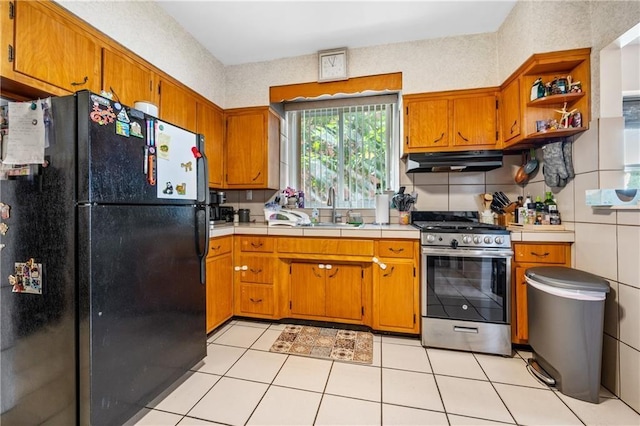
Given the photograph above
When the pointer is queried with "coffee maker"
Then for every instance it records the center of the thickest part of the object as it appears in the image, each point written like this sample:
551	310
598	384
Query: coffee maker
219	214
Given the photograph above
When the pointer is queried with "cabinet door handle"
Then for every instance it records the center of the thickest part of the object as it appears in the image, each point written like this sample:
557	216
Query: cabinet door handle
545	254
256	271
515	122
86	78
317	274
388	274
439	139
254	300
256	245
257	176
396	251
465	139
335	273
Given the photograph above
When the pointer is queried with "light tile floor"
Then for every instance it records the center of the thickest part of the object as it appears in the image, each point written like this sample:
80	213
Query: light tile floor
241	383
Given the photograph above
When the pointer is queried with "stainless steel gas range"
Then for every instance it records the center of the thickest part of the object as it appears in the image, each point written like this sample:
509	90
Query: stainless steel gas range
465	282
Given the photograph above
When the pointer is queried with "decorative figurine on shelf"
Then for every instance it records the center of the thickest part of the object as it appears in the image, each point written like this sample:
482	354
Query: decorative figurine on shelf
564	119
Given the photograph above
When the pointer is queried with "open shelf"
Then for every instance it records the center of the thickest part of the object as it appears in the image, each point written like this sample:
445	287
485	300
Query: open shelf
556	100
558	133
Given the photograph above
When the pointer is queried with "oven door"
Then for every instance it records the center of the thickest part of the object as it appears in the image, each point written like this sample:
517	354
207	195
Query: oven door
466	285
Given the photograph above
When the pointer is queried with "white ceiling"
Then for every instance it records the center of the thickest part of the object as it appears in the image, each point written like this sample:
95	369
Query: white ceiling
238	32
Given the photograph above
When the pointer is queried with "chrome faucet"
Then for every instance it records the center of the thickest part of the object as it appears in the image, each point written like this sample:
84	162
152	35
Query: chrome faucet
331	202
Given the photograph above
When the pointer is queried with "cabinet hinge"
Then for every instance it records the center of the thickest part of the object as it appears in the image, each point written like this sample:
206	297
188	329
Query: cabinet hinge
289	269
407	110
362	273
496	104
159	87
414	272
290	305
362	310
11	53
150	85
12	10
496	135
414	318
406	140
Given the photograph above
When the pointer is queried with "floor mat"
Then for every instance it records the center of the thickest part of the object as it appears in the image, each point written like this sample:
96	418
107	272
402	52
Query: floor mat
327	343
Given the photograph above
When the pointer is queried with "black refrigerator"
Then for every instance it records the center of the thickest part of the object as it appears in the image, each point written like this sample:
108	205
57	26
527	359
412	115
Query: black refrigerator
102	271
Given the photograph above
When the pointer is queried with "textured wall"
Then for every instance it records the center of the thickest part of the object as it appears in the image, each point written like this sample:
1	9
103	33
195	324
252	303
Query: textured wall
427	66
144	28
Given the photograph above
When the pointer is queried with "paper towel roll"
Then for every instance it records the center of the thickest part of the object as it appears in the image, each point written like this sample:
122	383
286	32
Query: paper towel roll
382	209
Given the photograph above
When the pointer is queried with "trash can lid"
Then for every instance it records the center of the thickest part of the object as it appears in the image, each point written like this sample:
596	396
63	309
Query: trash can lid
567	278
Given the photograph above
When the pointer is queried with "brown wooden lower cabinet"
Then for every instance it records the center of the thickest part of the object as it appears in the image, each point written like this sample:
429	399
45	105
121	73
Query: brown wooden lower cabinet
529	255
219	282
255	300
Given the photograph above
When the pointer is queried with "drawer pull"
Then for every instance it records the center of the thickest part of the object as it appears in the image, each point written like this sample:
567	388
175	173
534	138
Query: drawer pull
215	248
396	251
256	271
74	83
439	139
256	245
465	329
388	274
545	254
254	300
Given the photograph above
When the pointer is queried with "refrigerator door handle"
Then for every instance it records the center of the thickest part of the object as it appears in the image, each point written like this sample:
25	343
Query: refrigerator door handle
203	247
203	174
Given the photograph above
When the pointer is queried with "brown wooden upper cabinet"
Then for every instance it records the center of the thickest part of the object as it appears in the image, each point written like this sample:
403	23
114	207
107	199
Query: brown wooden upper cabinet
128	80
177	105
210	123
252	148
52	49
520	114
451	121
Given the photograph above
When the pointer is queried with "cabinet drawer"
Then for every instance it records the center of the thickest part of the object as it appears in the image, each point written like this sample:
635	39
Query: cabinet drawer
256	244
395	249
256	299
255	269
218	246
540	253
331	246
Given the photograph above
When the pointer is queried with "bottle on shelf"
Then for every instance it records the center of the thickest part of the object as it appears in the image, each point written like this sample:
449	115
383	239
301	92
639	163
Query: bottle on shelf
529	216
539	208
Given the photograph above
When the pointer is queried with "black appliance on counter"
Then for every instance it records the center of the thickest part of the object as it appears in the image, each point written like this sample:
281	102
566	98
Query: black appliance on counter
107	247
219	214
465	282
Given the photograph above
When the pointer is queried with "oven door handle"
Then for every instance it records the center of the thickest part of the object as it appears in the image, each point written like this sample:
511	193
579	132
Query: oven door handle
466	252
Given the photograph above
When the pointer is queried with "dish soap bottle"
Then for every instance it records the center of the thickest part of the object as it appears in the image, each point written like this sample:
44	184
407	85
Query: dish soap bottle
315	215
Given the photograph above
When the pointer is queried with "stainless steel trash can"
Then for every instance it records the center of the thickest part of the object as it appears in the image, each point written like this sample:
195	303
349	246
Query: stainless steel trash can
566	320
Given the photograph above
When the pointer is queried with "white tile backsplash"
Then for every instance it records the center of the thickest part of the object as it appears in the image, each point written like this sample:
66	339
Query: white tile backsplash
611	144
506	173
584	213
466	178
585	150
611	310
628	255
565	200
629	302
610	373
432	197
611	178
595	247
464	197
430	178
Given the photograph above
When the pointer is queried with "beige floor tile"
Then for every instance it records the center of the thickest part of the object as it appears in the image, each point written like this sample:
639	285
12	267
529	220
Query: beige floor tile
219	332
259	366
220	358
610	411
257	324
536	406
410	341
411	389
396	415
265	341
190	421
336	410
277	326
412	358
456	420
182	398
230	401
355	381
304	373
148	417
240	335
284	406
377	354
473	398
508	370
524	354
455	363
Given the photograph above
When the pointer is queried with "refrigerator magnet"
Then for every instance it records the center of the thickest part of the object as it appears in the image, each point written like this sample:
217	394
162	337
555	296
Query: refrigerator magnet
3	228
102	116
4	211
122	129
168	189
164	145
188	166
135	129
122	116
27	278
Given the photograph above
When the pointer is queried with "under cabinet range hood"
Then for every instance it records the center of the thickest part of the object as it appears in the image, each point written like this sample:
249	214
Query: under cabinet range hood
458	161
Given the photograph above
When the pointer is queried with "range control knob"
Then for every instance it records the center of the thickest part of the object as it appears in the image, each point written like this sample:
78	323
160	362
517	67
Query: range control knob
466	239
499	240
477	239
430	238
454	243
487	240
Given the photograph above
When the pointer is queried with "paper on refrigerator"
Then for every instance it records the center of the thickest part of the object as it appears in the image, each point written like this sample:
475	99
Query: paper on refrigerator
25	142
